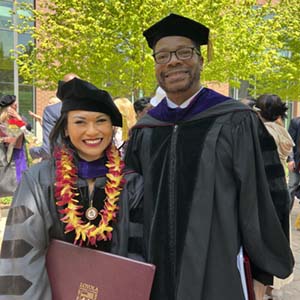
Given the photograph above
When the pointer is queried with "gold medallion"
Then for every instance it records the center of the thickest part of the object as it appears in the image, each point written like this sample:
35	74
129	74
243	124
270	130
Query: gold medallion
91	213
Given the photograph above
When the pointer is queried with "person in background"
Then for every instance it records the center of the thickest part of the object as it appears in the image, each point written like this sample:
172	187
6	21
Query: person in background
294	158
13	115
15	127
294	165
141	106
13	112
273	113
50	116
85	178
54	100
208	190
129	119
38	118
249	101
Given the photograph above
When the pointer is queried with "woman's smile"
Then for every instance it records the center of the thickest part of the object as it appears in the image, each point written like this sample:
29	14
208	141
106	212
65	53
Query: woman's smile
89	132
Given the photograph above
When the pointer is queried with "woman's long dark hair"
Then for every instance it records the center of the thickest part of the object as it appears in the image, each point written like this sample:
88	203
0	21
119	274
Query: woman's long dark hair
271	107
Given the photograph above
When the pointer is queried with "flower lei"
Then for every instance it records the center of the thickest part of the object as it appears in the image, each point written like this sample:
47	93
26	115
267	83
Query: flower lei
66	192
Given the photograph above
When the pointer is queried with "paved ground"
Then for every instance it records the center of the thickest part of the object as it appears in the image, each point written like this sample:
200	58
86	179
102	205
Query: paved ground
288	292
292	290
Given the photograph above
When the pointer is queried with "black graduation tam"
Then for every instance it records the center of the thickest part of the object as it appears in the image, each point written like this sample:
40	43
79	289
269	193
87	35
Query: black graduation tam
7	100
78	94
177	25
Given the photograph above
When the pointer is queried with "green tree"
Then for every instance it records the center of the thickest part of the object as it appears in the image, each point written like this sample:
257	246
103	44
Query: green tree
283	75
102	41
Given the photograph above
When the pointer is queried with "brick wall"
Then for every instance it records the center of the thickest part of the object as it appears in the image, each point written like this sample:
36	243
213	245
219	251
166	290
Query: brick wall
222	88
42	98
41	101
296	109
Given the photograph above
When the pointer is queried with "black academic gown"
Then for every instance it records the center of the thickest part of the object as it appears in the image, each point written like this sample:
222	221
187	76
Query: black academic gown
210	185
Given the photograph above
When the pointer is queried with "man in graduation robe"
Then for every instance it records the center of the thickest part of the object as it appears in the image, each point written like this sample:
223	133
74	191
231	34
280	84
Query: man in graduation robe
214	185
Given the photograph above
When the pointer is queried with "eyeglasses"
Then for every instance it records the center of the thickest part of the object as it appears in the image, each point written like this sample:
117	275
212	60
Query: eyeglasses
163	57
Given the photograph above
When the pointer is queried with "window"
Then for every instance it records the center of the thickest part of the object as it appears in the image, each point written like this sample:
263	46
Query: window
5	15
6	63
7	81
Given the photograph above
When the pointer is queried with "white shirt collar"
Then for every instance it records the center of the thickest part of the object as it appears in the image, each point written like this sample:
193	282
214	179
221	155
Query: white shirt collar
185	104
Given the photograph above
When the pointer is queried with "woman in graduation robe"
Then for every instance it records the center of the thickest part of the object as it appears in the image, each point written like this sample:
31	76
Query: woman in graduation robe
83	195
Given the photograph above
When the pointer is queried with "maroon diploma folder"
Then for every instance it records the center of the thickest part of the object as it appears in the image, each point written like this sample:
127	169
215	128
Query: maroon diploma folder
78	273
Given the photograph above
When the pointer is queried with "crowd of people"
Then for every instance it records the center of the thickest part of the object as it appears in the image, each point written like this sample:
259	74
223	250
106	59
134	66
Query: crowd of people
189	180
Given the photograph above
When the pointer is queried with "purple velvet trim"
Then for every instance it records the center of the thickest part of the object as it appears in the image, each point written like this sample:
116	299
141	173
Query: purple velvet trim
19	156
204	100
92	169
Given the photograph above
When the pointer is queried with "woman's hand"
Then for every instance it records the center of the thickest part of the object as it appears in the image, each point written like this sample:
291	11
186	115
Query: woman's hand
9	140
13	113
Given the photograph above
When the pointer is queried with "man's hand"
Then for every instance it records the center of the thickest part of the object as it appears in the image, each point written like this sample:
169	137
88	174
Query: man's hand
259	290
35	116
